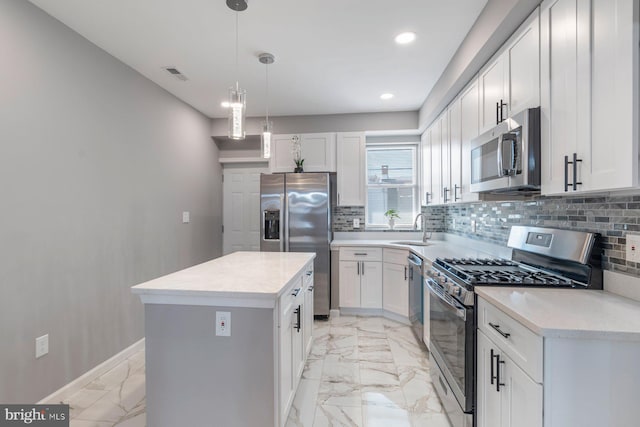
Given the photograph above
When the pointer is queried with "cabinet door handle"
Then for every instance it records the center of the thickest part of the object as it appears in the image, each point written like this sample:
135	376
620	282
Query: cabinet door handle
405	272
497	328
298	324
566	173
502	105
427	195
493	376
497	113
338	199
295	292
498	363
361	254
575	171
362	267
358	267
455	192
445	191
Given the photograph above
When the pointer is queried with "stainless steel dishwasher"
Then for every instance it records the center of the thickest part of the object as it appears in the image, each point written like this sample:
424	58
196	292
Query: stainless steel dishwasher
416	308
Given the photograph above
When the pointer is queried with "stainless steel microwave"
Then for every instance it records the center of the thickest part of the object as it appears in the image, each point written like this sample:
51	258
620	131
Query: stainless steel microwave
506	159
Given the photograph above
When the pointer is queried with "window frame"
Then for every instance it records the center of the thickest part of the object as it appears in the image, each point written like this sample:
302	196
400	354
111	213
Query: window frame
416	186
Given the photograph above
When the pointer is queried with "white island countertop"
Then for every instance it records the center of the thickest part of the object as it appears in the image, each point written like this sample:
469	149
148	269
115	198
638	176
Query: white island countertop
568	313
241	279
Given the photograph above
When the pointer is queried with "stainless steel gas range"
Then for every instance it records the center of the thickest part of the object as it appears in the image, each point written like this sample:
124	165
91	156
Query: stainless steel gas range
542	257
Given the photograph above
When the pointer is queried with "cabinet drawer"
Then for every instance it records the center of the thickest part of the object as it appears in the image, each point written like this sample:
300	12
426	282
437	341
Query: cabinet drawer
308	275
395	256
363	253
522	345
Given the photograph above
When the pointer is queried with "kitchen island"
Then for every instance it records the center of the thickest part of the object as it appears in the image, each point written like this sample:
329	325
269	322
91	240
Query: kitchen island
226	341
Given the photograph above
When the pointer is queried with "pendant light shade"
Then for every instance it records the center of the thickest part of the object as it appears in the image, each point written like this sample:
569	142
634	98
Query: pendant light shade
237	112
267	126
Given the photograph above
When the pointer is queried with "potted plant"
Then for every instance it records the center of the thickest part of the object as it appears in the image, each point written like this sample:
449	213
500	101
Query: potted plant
296	150
391	216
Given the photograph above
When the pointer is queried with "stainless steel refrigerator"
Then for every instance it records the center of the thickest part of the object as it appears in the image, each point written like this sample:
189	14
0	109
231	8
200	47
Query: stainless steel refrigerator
295	211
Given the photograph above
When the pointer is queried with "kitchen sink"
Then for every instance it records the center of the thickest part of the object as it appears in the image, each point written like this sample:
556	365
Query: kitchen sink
411	243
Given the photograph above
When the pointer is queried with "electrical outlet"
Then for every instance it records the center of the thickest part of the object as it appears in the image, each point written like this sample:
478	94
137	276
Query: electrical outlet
356	222
633	247
42	346
473	226
223	323
185	217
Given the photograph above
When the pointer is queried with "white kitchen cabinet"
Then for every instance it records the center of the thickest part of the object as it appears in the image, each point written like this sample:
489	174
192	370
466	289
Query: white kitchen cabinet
510	82
351	173
371	284
445	172
507	396
493	95
469	129
318	151
455	151
426	319
436	162
308	310
297	336
349	284
589	96
395	282
425	145
360	271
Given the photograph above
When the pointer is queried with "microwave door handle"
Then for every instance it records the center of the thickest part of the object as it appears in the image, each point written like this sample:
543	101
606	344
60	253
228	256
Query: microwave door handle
500	159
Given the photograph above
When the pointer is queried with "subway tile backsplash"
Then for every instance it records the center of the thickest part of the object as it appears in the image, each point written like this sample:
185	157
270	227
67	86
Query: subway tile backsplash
611	216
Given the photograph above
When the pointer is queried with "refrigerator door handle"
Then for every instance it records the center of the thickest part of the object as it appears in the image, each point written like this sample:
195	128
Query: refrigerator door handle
282	222
285	209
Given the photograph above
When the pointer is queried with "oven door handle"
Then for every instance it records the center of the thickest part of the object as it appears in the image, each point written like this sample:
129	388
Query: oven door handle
459	311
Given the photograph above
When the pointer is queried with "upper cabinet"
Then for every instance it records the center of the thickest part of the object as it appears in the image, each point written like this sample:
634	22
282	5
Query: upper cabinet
351	168
589	95
436	161
318	151
455	151
469	129
427	191
510	82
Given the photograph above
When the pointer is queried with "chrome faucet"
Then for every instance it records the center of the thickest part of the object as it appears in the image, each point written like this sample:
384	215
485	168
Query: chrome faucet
415	227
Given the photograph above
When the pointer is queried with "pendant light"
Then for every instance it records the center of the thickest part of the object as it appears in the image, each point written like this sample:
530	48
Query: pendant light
267	126
237	96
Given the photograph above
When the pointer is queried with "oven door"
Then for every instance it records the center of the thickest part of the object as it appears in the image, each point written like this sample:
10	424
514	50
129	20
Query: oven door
452	342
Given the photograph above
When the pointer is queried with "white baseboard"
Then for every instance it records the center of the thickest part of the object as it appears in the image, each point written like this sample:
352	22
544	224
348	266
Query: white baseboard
74	386
375	312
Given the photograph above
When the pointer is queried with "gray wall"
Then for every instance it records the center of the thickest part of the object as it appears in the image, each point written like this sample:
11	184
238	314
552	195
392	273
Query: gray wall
96	165
392	121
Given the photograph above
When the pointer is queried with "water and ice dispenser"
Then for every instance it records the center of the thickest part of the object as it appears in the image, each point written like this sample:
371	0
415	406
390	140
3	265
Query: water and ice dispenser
271	225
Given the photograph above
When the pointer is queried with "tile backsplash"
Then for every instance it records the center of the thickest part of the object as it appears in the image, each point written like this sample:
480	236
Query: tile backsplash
611	216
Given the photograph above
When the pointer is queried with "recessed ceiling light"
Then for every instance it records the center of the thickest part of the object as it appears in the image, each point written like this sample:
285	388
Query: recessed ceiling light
404	38
386	96
225	104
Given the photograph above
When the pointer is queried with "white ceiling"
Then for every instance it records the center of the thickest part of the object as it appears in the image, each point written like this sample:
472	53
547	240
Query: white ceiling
332	56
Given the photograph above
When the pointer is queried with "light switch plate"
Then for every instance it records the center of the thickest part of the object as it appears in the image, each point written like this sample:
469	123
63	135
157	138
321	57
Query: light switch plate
42	346
356	222
185	217
633	247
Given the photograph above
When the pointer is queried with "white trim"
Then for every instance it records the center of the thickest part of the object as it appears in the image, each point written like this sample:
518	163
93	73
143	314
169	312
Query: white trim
224	160
76	385
374	312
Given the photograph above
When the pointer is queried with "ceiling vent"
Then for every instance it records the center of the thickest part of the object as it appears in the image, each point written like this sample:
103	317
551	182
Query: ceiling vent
176	73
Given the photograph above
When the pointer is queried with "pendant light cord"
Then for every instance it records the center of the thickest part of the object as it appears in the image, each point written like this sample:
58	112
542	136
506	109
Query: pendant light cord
237	38
267	91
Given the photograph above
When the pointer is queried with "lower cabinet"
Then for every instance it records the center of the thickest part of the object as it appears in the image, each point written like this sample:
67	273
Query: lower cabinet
507	396
295	337
361	277
395	282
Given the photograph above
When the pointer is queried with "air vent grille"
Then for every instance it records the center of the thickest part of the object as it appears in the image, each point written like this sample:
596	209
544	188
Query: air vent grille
176	73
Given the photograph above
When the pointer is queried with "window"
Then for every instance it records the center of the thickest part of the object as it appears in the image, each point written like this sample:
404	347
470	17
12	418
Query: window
392	183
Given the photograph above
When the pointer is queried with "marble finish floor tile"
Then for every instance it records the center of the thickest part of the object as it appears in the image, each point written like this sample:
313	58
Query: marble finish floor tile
361	372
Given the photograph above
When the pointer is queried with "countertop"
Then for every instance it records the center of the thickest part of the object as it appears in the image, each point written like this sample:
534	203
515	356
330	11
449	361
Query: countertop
241	279
568	313
435	248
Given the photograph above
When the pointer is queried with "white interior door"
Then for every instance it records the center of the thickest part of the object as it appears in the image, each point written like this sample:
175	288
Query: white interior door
241	208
